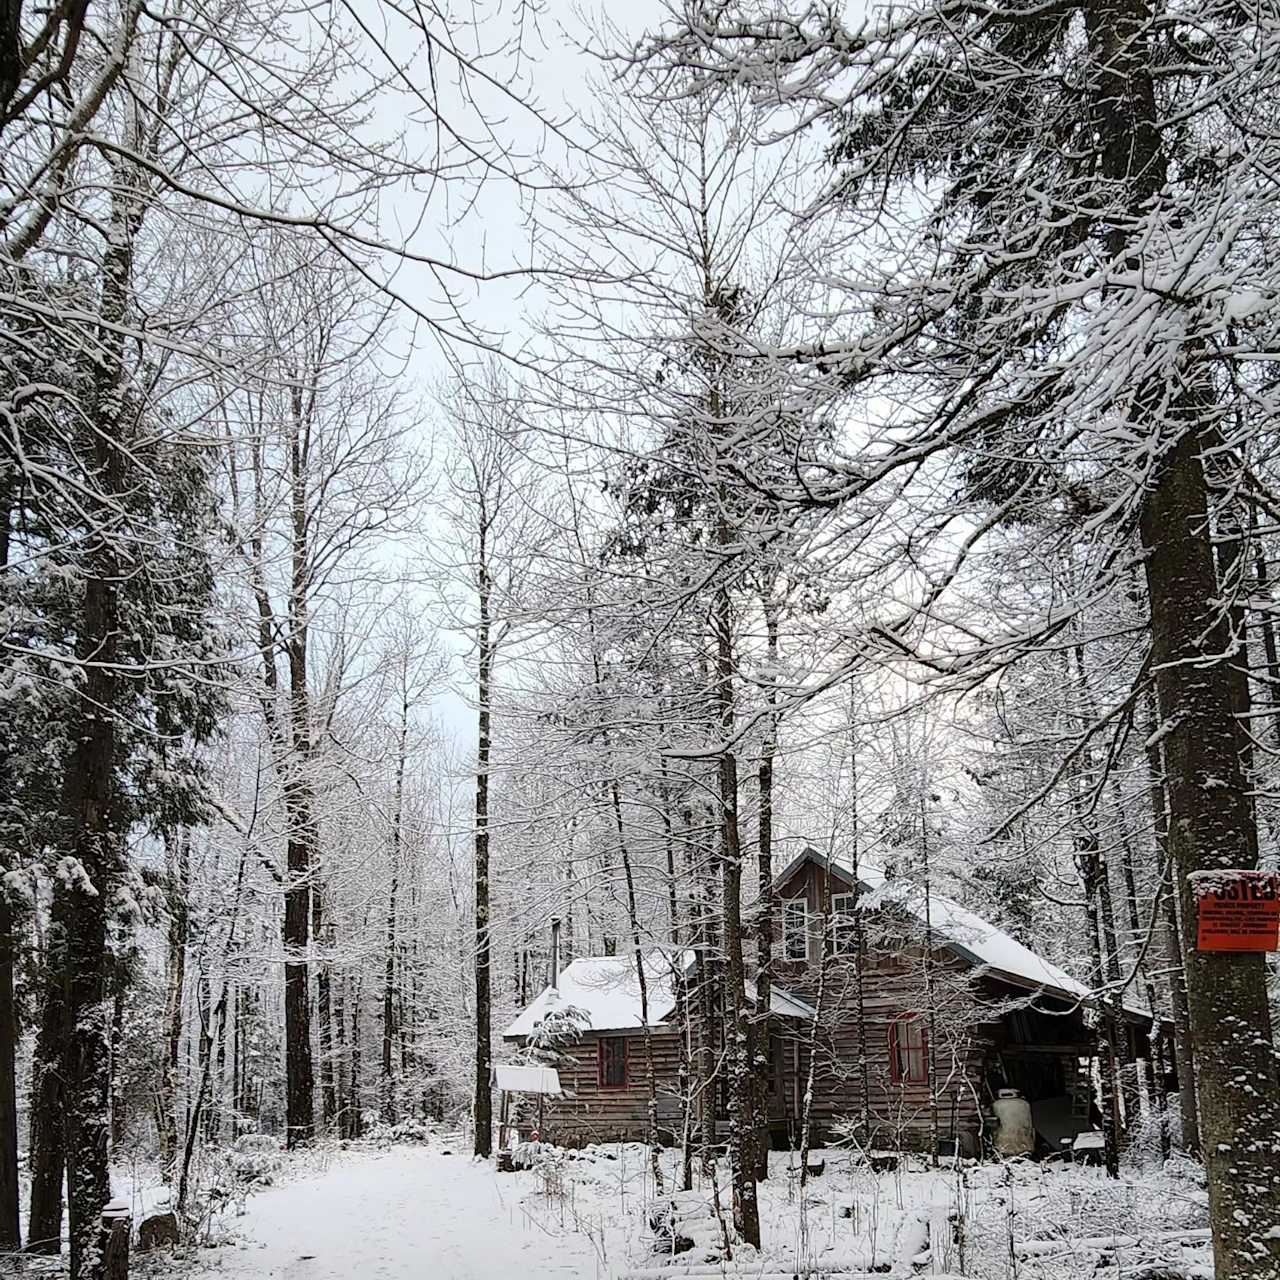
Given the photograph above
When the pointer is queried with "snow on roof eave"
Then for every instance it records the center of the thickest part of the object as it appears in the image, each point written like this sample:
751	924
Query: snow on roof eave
602	987
795	1006
513	1077
782	1004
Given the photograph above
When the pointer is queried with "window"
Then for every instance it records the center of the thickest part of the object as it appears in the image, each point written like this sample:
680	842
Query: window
795	929
843	939
611	1062
908	1051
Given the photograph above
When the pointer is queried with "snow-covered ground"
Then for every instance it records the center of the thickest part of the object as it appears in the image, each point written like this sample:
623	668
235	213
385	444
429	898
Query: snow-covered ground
408	1213
418	1213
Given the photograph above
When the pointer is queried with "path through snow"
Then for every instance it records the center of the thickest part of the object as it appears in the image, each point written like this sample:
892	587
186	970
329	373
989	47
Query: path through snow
403	1214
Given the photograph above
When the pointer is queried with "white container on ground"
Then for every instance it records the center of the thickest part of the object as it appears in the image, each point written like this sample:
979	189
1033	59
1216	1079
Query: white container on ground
1015	1134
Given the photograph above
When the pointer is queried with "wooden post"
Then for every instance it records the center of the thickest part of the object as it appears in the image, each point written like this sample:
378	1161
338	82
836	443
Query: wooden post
503	1112
117	1224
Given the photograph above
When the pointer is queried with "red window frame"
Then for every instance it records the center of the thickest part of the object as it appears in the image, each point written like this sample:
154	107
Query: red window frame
602	1054
917	1055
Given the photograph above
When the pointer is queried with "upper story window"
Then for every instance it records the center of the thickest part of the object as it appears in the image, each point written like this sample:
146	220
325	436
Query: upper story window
844	940
795	929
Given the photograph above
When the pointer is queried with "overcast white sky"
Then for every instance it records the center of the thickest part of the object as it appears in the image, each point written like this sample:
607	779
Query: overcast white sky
553	72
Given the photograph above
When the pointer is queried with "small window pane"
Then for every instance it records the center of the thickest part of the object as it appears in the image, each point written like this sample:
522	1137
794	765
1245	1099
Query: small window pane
843	938
795	929
612	1063
908	1048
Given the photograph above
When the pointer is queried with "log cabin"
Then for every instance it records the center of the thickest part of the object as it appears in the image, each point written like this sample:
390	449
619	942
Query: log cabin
604	1065
921	1012
927	1011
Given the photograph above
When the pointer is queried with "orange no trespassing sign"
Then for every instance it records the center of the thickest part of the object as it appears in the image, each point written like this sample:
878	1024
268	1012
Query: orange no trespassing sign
1239	910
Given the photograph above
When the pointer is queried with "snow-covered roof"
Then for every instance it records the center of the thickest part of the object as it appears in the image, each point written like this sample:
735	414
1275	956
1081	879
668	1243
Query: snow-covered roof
976	939
607	990
968	935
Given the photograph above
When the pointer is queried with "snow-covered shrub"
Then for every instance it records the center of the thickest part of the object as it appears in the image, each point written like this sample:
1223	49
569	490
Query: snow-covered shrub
561	1028
547	1161
256	1157
527	1155
220	1184
411	1132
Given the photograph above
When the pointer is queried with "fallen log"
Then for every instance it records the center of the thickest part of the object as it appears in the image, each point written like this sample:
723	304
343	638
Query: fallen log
1099	1244
727	1271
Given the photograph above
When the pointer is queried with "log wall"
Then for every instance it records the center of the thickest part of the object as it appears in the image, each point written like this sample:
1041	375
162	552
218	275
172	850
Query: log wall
893	985
590	1113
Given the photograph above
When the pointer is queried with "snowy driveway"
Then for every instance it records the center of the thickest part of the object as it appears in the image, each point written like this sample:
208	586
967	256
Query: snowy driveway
403	1214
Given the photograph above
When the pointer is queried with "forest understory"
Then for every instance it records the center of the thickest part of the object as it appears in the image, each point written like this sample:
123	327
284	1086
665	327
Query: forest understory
378	1209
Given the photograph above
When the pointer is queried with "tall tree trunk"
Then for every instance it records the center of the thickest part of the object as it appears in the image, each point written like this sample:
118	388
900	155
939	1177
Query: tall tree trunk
704	991
1101	927
324	1011
930	994
1126	1067
46	1156
303	843
80	912
1238	1080
1134	923
1183	1055
483	1096
859	928
1210	816
208	1017
1092	870
570	890
219	1106
746	1213
237	1062
118	1115
299	1079
388	1084
10	1231
812	1042
10	1228
178	845
357	1082
82	899
340	1060
680	993
642	982
766	908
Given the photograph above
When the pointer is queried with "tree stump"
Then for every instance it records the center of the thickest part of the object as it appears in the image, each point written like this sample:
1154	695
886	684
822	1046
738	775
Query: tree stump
117	1223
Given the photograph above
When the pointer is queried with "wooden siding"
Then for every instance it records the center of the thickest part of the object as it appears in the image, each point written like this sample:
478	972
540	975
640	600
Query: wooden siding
970	1029
589	1113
